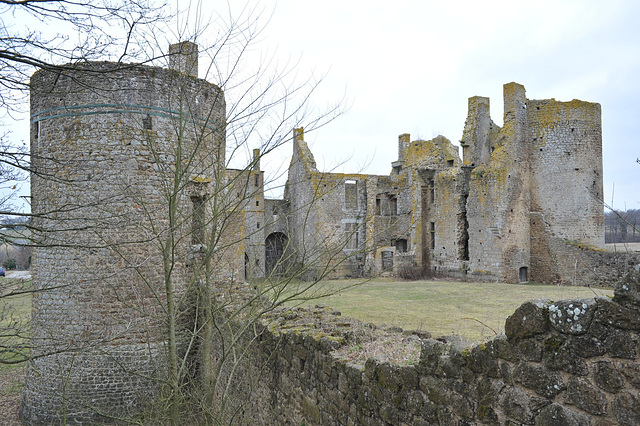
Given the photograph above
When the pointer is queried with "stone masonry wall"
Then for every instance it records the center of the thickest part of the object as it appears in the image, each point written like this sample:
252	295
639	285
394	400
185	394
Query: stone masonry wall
566	143
103	143
572	362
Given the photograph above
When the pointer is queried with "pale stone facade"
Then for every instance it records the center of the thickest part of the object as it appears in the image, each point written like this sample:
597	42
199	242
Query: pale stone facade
514	209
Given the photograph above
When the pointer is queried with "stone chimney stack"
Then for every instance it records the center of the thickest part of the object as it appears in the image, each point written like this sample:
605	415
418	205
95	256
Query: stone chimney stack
256	159
403	142
183	57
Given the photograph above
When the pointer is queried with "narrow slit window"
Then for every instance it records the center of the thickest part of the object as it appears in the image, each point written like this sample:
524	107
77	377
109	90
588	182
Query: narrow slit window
433	235
197	219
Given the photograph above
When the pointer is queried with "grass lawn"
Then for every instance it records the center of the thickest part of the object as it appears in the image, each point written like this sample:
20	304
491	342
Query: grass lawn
15	311
475	311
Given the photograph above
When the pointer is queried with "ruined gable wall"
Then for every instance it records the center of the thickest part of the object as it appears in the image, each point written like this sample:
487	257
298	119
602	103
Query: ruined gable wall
478	129
498	206
451	222
300	194
328	212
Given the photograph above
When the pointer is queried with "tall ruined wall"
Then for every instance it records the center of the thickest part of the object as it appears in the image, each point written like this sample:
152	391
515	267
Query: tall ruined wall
566	362
104	144
478	137
451	246
300	193
423	161
328	213
241	216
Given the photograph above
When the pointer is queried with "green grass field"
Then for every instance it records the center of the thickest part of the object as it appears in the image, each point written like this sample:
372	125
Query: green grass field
475	311
15	312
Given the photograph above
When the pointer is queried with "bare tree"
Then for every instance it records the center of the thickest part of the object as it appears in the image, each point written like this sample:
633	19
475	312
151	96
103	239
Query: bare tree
137	223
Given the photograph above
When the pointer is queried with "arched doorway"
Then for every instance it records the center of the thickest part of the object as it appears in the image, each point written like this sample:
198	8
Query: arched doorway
275	245
523	275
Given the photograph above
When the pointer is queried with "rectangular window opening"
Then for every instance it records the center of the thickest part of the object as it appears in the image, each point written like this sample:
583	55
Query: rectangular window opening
147	123
393	206
351	194
351	236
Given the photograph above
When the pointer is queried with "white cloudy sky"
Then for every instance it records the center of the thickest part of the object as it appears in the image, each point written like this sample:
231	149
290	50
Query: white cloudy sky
410	66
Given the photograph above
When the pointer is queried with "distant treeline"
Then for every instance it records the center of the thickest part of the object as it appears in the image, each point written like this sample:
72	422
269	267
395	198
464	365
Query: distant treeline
622	227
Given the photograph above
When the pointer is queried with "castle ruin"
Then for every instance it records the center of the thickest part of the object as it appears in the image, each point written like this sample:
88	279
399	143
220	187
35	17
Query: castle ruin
106	139
522	205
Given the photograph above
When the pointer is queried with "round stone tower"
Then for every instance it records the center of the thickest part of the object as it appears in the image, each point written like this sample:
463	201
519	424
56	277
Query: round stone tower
566	144
114	149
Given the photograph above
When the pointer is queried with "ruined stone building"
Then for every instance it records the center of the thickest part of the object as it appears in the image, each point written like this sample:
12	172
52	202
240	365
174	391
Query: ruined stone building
129	170
524	203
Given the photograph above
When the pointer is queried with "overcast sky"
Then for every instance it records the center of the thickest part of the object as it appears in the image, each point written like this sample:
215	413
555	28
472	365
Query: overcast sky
410	66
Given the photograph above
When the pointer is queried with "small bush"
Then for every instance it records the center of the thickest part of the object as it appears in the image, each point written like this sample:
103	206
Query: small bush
9	264
414	273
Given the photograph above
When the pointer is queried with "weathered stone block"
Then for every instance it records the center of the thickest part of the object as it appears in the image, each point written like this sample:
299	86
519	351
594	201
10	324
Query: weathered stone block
435	390
572	316
543	382
529	350
430	352
585	396
631	371
559	355
556	414
483	360
519	406
587	346
607	376
528	320
627	290
627	408
621	344
616	315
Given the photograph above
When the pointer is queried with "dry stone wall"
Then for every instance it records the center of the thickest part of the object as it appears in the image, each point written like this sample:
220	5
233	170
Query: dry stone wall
571	362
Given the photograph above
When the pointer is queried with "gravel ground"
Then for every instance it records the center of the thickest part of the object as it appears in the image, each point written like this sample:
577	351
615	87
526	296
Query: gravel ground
19	274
